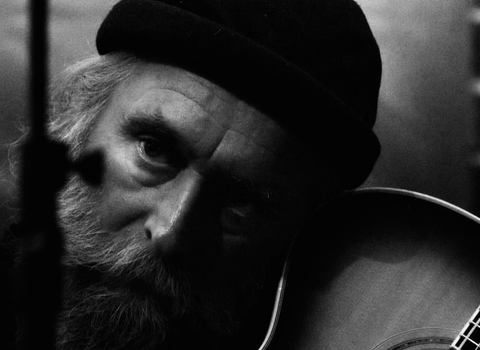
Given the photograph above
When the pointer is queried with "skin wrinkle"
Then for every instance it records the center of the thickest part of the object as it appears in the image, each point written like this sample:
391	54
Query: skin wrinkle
262	123
258	135
158	122
192	143
161	110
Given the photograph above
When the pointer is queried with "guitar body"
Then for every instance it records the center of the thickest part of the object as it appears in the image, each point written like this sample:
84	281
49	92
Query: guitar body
380	269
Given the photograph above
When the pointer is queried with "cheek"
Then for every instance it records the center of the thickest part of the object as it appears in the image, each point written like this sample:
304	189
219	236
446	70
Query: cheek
120	167
119	201
265	242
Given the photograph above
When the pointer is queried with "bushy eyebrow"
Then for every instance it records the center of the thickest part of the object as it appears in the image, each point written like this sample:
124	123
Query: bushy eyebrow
155	125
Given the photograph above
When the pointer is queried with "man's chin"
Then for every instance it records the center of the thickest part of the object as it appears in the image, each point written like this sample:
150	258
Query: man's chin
108	316
105	312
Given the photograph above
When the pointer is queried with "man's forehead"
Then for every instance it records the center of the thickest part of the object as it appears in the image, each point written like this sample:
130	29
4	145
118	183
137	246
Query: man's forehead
196	107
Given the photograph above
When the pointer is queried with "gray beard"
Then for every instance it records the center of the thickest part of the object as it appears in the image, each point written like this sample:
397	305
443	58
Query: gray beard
119	294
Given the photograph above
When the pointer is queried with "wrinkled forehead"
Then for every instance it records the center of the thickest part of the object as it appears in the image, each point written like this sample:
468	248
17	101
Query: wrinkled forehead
197	110
205	97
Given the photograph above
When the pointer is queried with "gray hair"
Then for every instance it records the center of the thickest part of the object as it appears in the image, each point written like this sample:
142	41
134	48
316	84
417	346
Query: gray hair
77	98
81	93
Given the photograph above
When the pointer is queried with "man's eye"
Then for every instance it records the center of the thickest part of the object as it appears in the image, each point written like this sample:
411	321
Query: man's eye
239	199
152	149
157	152
241	203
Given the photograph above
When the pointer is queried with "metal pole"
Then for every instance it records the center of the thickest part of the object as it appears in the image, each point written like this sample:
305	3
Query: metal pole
475	69
44	169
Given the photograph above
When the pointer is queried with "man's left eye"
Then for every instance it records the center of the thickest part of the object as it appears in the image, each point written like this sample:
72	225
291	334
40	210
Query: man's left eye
157	152
240	201
152	149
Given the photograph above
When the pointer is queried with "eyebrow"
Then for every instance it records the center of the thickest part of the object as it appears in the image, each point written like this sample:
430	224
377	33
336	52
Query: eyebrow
141	123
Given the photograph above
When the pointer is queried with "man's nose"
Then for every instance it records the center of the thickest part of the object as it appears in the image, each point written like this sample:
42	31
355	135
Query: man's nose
169	221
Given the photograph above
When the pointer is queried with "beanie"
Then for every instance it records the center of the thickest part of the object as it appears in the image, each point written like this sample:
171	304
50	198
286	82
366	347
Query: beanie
311	65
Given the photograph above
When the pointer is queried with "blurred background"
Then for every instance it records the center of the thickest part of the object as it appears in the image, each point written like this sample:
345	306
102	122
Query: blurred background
426	122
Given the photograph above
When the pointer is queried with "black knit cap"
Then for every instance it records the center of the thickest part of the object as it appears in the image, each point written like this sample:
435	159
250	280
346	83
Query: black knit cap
312	65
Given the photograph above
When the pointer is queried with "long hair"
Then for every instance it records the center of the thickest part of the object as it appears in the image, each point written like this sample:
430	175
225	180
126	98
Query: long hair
81	93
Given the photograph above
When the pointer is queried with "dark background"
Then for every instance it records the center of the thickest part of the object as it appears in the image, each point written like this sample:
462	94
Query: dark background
426	120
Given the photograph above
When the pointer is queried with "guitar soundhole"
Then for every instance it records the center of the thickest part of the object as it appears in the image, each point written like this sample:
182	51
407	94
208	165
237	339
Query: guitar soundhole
420	339
432	343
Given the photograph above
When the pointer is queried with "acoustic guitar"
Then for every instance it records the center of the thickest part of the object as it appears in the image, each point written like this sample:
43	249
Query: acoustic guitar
381	269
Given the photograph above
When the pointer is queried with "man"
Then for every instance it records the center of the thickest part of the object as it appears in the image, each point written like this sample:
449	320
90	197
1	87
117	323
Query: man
223	125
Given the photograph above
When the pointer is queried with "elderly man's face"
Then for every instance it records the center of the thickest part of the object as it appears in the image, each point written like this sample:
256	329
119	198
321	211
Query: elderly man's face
201	195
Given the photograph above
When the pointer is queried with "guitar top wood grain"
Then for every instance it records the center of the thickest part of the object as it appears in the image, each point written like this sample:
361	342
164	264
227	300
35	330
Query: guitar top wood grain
377	265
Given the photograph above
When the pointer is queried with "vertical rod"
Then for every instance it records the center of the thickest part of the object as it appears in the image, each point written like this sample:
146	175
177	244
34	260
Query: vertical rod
475	90
38	65
44	167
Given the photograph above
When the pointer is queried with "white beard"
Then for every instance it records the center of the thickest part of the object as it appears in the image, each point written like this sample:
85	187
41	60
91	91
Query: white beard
119	294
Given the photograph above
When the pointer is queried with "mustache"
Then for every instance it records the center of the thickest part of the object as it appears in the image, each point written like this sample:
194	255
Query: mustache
141	274
115	260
